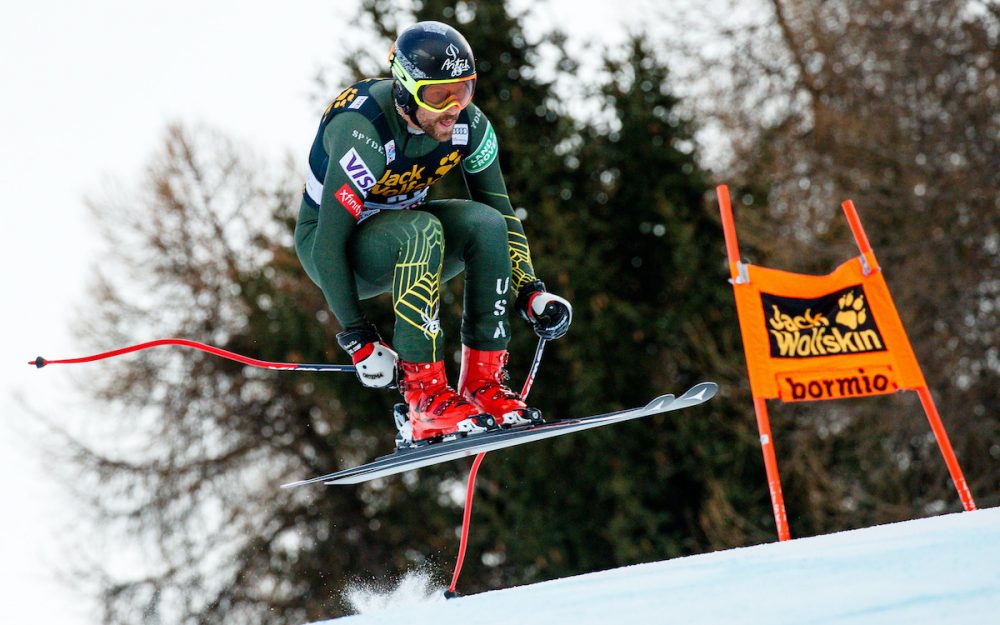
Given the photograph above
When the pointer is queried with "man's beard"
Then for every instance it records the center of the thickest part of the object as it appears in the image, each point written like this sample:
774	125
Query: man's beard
432	131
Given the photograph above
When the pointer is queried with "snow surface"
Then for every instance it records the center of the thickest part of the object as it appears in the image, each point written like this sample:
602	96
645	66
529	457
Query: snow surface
940	570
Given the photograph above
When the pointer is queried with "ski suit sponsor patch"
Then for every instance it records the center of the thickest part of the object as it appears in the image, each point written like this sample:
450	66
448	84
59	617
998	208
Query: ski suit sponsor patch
460	134
357	171
370	142
417	177
349	200
484	155
399	182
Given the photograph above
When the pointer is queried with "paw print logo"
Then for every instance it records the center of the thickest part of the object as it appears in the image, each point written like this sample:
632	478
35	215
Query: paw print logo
345	98
447	163
852	310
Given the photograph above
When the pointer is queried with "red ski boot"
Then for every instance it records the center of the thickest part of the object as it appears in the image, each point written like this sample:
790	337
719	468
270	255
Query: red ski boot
482	382
435	409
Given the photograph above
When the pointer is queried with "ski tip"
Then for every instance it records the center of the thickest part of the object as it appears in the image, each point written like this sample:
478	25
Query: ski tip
658	403
703	391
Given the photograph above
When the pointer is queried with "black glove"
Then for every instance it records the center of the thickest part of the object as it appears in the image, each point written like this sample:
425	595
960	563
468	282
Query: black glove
549	315
374	361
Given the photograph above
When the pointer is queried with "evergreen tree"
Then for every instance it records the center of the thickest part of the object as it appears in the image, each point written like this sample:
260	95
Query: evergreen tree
638	252
886	103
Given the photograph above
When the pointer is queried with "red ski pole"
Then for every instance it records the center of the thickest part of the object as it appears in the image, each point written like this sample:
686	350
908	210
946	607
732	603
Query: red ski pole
253	362
470	487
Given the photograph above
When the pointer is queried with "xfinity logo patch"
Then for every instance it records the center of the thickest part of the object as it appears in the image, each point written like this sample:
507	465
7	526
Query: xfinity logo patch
349	201
357	171
460	134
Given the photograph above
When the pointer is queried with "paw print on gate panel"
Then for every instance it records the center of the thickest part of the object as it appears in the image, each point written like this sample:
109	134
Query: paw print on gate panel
852	311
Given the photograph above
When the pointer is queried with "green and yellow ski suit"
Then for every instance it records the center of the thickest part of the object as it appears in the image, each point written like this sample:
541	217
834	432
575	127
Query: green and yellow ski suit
365	226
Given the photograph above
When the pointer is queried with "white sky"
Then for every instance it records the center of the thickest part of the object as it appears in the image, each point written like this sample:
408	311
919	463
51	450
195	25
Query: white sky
88	88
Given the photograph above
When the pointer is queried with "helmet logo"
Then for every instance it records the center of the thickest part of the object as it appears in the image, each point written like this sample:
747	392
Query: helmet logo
454	64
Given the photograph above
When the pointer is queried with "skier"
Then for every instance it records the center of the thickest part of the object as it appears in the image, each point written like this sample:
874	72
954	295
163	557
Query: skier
365	227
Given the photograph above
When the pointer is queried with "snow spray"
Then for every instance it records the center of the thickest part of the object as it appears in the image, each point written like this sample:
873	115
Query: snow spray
414	588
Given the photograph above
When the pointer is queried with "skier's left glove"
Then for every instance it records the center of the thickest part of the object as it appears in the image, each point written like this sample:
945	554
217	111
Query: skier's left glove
549	315
374	361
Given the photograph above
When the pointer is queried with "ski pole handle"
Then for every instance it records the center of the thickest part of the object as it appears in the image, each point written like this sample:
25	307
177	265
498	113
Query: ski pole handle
216	351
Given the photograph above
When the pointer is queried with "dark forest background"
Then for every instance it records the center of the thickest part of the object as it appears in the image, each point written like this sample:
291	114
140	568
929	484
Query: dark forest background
893	104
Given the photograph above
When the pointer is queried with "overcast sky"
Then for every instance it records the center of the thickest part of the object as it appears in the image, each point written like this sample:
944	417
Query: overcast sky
88	88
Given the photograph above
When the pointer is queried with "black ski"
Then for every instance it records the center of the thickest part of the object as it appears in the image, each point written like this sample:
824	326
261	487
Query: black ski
434	453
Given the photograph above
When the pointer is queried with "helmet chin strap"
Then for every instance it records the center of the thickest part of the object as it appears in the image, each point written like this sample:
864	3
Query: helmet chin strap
405	103
411	125
406	106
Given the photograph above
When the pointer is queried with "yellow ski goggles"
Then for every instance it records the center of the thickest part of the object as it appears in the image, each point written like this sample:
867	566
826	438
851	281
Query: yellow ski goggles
440	95
435	95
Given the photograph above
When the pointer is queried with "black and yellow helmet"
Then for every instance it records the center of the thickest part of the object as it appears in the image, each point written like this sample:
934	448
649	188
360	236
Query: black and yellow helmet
433	67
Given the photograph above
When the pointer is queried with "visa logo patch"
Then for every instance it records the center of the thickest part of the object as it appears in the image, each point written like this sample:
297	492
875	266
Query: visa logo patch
357	171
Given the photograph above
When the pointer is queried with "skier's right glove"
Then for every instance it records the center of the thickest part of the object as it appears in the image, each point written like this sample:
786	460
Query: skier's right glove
549	315
374	361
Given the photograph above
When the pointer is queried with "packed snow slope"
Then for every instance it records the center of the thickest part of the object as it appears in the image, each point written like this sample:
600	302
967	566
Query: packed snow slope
940	570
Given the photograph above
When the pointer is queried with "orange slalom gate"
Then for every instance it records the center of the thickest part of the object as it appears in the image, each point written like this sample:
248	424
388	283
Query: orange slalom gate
813	338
